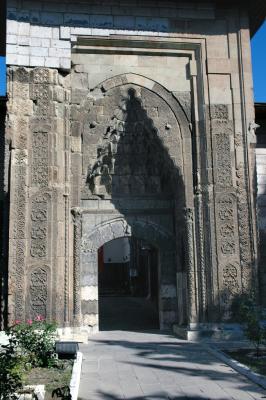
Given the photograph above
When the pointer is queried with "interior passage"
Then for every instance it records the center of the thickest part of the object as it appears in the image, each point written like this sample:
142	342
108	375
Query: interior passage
128	285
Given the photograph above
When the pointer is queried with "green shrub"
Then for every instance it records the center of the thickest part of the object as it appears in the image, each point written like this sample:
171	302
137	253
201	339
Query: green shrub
31	344
37	339
12	367
247	312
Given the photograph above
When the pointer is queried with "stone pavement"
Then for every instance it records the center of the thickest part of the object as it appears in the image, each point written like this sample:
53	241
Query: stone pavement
153	366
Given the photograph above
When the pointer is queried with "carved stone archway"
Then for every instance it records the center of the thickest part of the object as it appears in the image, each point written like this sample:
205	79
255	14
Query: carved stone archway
126	194
86	264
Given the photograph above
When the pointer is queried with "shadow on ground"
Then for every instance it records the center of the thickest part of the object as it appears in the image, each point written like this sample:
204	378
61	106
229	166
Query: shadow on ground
135	366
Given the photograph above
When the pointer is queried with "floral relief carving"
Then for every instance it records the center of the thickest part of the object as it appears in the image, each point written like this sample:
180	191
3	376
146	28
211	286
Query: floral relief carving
230	278
41	75
223	160
40	170
219	111
39	230
39	292
19	199
244	229
226	205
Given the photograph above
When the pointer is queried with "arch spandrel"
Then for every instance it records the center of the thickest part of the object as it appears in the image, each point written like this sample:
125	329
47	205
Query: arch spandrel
118	228
153	86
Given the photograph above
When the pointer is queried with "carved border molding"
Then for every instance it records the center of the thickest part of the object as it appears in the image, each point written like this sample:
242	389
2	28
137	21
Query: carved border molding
77	220
19	160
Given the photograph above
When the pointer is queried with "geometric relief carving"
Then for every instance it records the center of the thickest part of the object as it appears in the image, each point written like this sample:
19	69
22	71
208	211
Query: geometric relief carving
40	91
19	273
40	159
219	111
231	286
19	162
244	230
223	160
226	224
39	229
123	144
39	292
230	278
41	75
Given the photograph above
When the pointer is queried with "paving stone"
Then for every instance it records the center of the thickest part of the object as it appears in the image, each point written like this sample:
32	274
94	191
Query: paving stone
140	366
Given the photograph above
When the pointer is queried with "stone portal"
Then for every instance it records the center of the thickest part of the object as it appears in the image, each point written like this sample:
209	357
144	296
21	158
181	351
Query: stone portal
128	126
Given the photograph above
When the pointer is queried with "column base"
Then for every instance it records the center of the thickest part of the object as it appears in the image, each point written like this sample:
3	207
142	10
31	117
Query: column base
209	331
76	333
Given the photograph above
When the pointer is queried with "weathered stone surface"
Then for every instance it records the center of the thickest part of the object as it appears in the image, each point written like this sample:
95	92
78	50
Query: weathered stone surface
121	147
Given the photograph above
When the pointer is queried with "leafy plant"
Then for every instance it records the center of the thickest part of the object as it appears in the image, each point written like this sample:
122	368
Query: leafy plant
31	344
37	339
11	369
250	315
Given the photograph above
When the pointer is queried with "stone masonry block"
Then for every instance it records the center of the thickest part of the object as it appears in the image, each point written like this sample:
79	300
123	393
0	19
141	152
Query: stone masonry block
59	94
64	32
59	52
35	17
12	59
65	63
55	32
51	62
219	65
152	24
75	128
39	51
124	22
12	27
76	19
36	42
11	39
45	42
37	61
12	49
89	307
60	44
41	32
23	60
24	50
101	21
23	40
51	18
80	31
80	81
24	28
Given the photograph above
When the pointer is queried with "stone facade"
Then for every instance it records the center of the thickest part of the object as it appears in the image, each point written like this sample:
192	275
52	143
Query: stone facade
260	109
129	120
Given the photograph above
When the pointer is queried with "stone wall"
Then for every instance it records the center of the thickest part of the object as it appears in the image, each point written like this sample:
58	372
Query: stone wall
4	163
75	71
40	33
261	198
38	192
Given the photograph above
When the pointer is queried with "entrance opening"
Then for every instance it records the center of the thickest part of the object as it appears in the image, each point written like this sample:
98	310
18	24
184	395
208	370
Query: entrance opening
128	285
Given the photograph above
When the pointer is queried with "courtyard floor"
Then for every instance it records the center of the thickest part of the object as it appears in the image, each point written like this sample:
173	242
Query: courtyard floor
153	366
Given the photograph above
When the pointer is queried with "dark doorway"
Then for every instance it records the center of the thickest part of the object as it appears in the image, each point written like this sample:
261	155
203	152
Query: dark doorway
128	285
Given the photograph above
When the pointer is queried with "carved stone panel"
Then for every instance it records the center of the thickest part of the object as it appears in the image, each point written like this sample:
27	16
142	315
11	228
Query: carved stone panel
226	218
223	168
244	232
41	91
219	112
40	169
231	286
38	292
131	145
39	227
18	225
